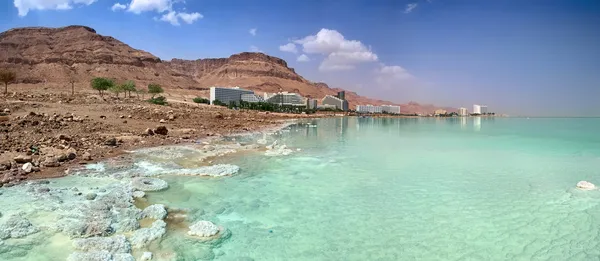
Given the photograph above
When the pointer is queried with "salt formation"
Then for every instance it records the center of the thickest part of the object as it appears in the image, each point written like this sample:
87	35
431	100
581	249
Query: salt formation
584	185
278	150
219	170
203	229
138	194
17	227
143	236
146	256
156	211
102	248
149	184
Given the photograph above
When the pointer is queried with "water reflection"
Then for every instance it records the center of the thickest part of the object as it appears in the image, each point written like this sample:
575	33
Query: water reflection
477	123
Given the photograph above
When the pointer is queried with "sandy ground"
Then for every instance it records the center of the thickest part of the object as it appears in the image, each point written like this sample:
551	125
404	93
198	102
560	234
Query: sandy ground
53	130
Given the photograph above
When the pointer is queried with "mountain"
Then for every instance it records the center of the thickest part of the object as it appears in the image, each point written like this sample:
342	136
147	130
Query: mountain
78	53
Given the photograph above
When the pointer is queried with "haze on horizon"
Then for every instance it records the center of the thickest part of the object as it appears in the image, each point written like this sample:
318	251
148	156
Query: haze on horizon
538	58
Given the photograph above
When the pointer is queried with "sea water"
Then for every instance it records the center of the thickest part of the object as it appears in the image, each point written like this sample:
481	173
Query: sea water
400	189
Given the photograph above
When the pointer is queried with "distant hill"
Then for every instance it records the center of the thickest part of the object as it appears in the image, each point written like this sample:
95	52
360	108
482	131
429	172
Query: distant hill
78	53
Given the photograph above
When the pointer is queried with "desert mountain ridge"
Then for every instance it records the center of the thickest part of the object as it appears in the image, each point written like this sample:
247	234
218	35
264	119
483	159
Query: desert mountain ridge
78	54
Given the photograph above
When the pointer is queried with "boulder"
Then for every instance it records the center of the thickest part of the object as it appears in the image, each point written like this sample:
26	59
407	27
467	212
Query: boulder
27	167
161	130
86	156
149	132
584	185
90	196
111	142
50	161
156	211
203	229
22	159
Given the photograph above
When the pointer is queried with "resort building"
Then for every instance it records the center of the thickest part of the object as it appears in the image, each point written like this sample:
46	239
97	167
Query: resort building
462	112
484	109
393	109
227	95
251	97
439	112
476	109
369	109
335	101
341	95
326	106
311	104
286	98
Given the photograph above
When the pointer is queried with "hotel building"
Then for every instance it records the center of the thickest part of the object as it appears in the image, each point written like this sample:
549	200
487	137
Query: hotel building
335	101
227	95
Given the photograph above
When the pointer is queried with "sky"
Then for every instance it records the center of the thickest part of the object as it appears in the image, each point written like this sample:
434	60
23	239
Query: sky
520	57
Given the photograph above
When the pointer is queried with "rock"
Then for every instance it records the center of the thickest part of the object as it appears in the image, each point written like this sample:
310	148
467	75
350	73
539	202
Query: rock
278	150
16	226
203	229
111	142
149	132
27	167
51	162
171	117
156	211
161	130
63	137
584	185
146	256
139	194
90	196
162	121
122	117
142	237
7	110
21	159
219	170
86	156
149	184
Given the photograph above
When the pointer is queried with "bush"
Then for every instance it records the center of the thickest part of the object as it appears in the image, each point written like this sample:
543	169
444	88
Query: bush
201	100
102	84
160	100
154	89
219	103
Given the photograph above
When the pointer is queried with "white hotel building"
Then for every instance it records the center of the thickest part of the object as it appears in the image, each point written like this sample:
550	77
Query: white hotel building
227	95
476	109
393	109
462	112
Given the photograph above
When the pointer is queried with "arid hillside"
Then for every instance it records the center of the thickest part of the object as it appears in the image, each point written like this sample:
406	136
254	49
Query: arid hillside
56	56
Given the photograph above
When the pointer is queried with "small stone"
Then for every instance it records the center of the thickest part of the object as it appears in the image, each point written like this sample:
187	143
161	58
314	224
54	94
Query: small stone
27	167
149	132
171	117
122	117
7	110
63	137
90	196
161	130
124	121
111	142
86	156
162	121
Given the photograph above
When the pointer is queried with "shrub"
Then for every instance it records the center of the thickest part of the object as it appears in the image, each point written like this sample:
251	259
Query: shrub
101	84
160	100
217	102
154	89
201	100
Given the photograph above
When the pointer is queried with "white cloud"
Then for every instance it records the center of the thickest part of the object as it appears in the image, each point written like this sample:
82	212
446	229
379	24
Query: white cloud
160	6
252	31
290	47
118	6
303	58
410	7
388	76
255	49
190	18
24	6
171	17
341	54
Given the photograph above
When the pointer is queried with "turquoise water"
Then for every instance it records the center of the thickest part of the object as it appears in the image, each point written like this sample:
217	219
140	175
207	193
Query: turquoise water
407	189
361	189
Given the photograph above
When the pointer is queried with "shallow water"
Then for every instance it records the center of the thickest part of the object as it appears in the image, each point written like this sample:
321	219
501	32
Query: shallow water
395	189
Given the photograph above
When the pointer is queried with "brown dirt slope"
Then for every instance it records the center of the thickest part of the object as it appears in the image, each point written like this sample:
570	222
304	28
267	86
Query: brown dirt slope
77	53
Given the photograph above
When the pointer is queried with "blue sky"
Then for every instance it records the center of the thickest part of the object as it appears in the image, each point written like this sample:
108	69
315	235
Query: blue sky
538	57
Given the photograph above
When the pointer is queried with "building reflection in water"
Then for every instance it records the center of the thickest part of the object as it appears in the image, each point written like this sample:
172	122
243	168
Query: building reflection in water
477	123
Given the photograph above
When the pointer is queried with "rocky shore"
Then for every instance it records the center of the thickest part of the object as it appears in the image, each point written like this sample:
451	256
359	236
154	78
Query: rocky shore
44	134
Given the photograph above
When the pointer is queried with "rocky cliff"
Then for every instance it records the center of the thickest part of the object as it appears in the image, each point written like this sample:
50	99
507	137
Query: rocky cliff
78	53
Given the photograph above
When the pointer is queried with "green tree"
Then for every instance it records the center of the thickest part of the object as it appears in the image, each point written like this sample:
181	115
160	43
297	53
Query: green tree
128	87
102	84
154	89
7	77
201	100
116	89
